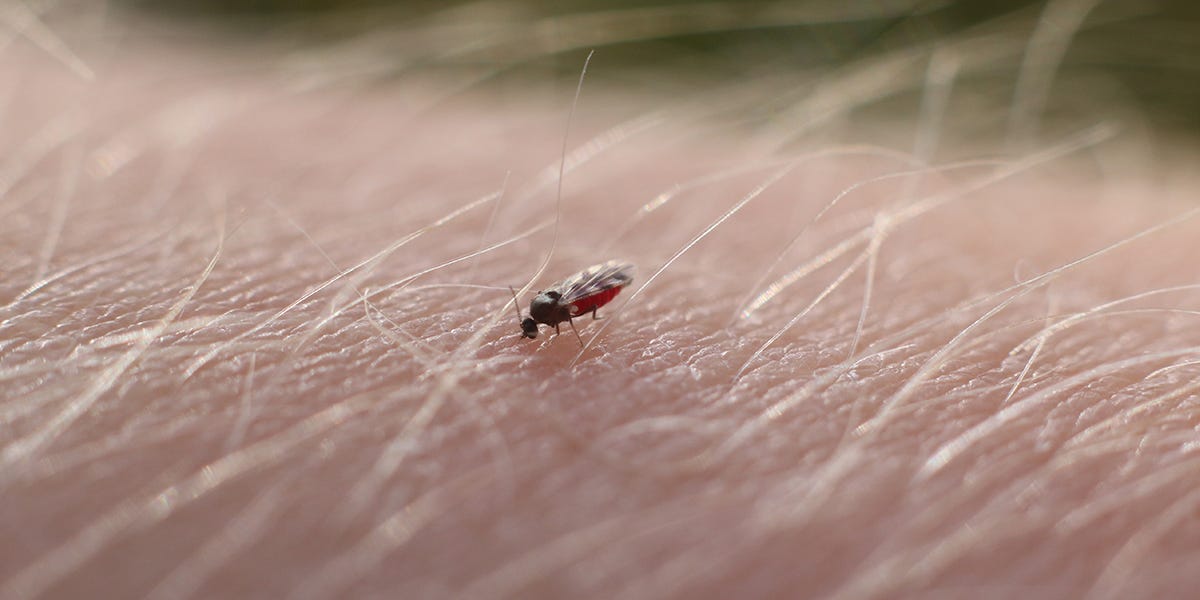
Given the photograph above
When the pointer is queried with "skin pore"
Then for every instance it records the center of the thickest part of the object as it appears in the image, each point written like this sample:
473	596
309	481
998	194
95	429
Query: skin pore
256	339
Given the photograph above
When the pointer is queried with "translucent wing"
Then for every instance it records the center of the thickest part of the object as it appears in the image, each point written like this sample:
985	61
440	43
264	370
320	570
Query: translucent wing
595	279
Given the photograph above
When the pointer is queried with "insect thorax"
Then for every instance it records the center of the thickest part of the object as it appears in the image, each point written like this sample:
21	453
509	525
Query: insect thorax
546	309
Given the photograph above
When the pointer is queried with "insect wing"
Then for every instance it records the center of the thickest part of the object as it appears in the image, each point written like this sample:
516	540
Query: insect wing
594	280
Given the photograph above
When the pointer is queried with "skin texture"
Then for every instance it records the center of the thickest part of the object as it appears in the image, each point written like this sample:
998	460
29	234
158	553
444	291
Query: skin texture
240	354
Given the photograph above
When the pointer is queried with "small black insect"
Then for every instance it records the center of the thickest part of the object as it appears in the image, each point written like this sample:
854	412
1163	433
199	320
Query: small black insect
583	292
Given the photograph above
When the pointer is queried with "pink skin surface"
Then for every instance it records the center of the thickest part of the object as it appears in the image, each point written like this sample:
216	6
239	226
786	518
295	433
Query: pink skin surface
240	354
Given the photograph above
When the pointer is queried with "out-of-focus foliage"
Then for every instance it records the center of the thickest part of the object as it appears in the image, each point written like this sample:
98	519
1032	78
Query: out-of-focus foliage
1144	53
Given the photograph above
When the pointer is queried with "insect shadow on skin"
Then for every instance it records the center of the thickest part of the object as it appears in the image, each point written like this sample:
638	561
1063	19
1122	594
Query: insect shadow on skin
581	293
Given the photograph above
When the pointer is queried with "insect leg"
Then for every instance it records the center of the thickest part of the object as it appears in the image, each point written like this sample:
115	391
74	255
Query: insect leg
594	316
572	323
557	331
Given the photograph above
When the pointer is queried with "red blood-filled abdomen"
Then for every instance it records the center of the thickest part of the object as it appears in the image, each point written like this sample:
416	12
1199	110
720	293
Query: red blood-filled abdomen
588	303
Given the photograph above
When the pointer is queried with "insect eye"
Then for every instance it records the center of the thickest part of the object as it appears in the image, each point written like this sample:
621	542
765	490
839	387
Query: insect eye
529	328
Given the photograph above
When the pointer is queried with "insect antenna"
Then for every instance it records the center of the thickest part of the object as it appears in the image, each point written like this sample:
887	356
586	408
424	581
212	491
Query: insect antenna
516	303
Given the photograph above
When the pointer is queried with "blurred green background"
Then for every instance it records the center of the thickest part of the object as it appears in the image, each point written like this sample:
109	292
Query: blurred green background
1140	55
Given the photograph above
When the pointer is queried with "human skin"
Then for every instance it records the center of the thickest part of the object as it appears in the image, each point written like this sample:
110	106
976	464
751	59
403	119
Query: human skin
241	353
